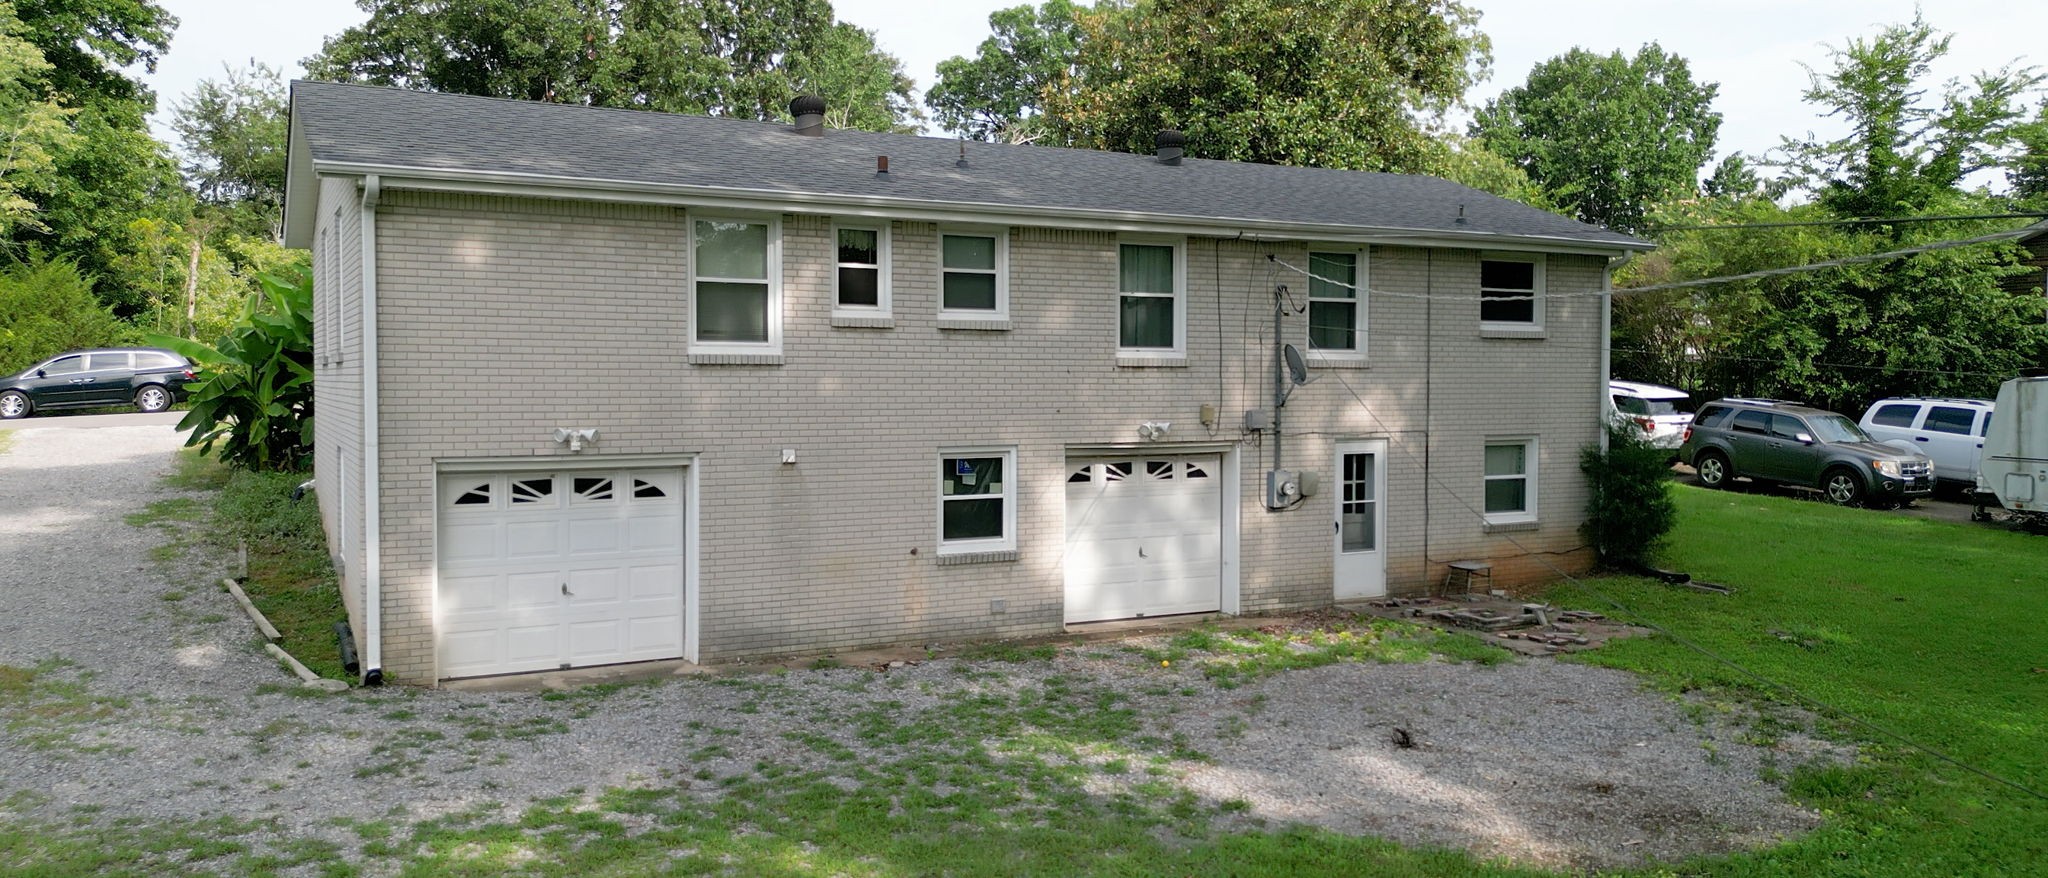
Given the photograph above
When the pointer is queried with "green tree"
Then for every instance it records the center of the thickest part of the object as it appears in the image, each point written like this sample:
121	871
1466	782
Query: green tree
232	132
999	94
1905	152
89	42
1340	83
47	307
723	57
1606	135
34	127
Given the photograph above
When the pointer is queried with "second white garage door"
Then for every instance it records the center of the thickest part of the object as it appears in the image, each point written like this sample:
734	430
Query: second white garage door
1144	537
540	570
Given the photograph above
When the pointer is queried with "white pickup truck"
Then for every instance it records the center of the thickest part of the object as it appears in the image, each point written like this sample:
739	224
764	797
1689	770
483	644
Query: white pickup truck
2014	470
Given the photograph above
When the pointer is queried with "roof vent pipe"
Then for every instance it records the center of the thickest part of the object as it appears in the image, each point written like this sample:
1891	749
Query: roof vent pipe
809	111
1172	145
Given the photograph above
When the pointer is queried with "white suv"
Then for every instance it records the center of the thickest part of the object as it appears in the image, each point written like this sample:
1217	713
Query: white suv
1659	412
1949	430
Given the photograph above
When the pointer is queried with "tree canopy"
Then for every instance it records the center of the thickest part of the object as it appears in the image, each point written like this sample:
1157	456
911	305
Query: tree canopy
999	94
722	57
1606	135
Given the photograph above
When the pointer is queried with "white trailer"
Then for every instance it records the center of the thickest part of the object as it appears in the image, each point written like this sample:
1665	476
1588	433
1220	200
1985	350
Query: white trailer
2014	470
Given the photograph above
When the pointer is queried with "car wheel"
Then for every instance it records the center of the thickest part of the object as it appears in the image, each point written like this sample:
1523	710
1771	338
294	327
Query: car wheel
14	404
1843	487
152	398
1712	469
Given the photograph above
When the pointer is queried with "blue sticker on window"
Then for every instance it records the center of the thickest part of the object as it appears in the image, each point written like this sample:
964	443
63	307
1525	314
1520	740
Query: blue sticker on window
962	468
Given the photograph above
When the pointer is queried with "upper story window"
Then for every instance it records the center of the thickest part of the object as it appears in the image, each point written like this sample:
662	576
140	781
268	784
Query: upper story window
736	285
861	284
1151	299
1336	309
1511	291
974	274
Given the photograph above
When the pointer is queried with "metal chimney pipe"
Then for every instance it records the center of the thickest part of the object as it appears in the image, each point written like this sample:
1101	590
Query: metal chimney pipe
1171	144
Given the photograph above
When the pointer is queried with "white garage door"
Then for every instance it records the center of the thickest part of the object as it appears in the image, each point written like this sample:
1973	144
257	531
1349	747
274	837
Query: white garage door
540	571
1144	537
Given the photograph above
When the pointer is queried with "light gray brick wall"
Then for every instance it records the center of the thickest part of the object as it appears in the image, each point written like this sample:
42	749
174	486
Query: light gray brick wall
502	319
338	386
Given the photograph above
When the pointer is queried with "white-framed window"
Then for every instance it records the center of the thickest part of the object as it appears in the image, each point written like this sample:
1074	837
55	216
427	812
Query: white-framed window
1152	287
1337	303
974	273
735	285
977	500
860	285
1510	480
1511	291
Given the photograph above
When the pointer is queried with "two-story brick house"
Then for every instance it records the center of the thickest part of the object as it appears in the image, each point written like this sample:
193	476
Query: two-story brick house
602	386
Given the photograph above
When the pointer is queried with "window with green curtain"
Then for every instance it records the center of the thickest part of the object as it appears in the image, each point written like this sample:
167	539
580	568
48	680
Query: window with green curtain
1333	301
860	268
1147	296
731	259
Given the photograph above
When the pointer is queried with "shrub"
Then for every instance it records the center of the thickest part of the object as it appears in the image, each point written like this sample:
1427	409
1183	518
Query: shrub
1629	508
256	393
47	307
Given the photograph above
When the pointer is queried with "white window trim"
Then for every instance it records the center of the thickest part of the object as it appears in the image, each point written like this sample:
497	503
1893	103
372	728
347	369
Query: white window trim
1529	455
1359	320
774	281
1539	279
1002	272
1180	298
1008	541
883	302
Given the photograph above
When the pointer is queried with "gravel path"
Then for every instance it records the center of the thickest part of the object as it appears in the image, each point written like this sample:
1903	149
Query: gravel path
169	711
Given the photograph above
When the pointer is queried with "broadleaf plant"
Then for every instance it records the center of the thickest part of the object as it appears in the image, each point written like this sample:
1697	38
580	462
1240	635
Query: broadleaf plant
255	394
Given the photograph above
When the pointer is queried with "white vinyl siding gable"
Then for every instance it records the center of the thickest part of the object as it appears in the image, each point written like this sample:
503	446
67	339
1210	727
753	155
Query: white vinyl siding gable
1152	285
735	285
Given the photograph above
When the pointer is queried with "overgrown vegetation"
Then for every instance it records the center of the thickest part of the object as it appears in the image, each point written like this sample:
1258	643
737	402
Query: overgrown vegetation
1232	658
255	394
48	307
1629	510
1919	627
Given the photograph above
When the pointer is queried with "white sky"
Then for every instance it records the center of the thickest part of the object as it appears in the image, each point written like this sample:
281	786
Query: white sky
1753	48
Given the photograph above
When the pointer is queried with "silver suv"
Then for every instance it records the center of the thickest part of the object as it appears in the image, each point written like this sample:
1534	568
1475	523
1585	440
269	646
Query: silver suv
1773	440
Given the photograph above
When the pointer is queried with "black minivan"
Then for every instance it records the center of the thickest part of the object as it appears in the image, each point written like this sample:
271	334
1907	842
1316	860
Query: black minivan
151	379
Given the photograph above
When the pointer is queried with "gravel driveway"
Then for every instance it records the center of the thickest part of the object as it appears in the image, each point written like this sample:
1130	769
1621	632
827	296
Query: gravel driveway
139	694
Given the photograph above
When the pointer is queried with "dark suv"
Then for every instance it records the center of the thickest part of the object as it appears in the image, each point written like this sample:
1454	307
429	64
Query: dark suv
150	379
1777	441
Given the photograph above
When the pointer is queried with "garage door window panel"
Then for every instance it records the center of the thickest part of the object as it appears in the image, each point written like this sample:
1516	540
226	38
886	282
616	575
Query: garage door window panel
976	502
737	300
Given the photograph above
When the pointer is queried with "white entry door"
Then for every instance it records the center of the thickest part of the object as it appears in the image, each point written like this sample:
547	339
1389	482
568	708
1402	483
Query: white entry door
548	570
1361	569
1144	537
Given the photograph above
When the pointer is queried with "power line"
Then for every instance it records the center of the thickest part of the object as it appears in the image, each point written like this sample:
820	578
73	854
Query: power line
1768	683
1891	220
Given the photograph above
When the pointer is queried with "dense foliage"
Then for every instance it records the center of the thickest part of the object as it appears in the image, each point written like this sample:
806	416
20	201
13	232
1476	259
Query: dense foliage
1629	507
47	307
255	395
1607	135
723	57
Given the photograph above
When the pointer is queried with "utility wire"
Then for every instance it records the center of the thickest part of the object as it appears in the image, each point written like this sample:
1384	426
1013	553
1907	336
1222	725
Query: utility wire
1768	683
1867	221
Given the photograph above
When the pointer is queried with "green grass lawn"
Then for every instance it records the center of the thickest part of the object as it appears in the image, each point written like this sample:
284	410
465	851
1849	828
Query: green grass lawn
1935	631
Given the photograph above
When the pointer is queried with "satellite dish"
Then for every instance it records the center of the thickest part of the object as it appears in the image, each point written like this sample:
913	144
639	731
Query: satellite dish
1297	368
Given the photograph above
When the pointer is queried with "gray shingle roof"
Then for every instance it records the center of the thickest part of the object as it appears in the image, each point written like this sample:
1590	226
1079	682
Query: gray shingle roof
338	127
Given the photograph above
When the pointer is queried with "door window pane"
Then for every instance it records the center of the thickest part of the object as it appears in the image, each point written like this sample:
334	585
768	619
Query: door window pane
1357	518
1948	419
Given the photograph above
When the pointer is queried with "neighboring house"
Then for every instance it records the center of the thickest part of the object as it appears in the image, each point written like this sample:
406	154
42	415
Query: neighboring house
603	386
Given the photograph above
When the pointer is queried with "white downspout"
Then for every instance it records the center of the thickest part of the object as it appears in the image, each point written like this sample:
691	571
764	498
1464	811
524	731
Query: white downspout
1606	349
373	537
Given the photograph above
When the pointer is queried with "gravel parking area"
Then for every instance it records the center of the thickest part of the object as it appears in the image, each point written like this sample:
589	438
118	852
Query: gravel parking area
131	690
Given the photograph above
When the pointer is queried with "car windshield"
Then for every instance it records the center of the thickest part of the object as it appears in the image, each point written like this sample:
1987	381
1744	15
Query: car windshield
1835	428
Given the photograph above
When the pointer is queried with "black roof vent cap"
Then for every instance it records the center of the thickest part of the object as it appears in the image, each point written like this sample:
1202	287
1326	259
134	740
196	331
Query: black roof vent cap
809	112
1172	145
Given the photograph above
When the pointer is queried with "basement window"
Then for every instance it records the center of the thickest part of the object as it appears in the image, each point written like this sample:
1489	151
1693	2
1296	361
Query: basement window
1510	480
977	501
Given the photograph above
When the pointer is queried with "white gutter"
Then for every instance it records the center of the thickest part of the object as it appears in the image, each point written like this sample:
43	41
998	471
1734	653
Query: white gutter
373	537
731	198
